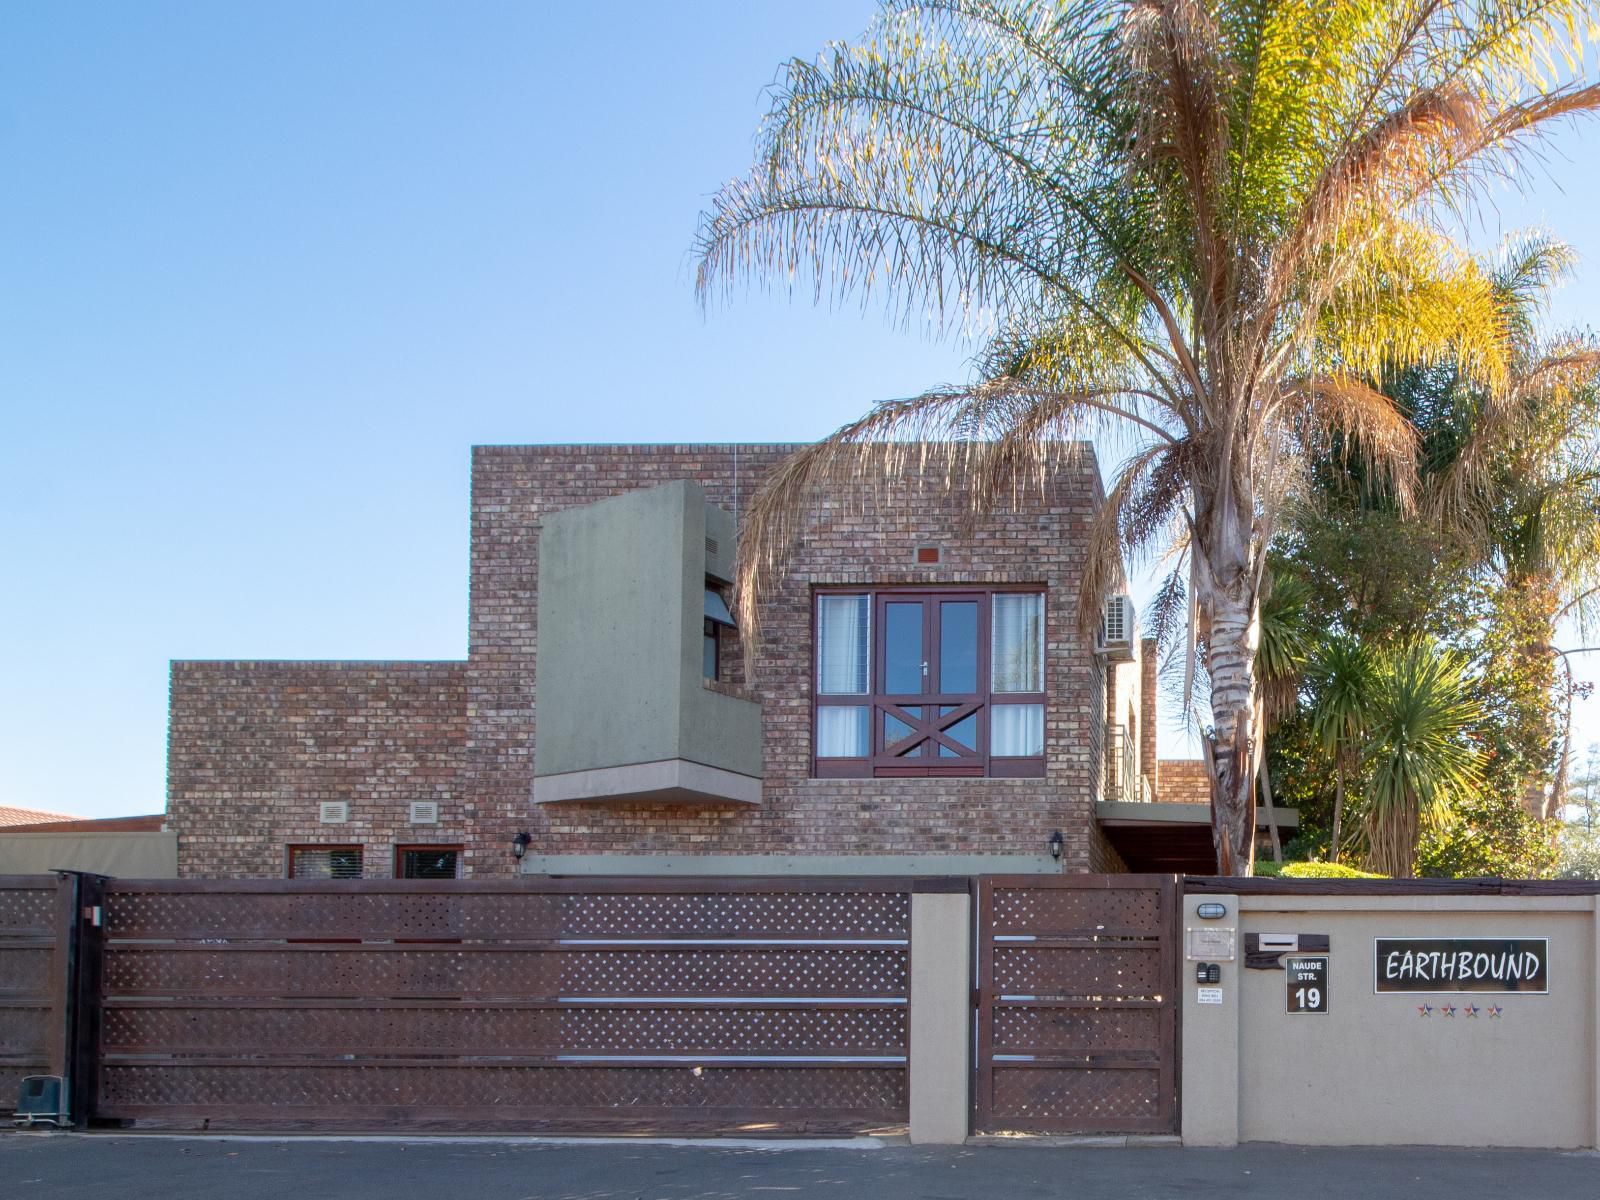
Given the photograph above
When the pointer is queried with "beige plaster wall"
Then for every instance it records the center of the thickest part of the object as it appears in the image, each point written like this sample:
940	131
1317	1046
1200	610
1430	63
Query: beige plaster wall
125	855
1374	1070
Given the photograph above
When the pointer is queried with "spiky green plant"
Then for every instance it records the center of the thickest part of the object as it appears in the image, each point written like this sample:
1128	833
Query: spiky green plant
1210	223
1418	750
1342	679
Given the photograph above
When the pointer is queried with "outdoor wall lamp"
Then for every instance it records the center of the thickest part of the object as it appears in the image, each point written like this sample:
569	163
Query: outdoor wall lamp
1055	845
519	844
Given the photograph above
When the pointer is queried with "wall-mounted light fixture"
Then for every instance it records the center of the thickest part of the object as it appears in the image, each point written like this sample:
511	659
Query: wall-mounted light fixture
519	844
1055	845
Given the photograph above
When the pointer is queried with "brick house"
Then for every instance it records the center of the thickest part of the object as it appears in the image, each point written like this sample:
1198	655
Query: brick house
922	701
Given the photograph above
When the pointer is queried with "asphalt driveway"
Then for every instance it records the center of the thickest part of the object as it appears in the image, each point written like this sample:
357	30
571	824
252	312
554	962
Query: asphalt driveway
71	1167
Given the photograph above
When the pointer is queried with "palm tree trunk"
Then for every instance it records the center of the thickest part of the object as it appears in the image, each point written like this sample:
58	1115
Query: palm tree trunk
1338	807
1230	750
1272	816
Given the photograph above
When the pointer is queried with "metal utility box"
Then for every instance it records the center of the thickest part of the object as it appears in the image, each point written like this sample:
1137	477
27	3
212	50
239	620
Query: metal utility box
42	1099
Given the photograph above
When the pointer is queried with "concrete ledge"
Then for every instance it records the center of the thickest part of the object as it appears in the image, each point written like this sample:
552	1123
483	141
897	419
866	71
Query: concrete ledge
790	864
1166	812
668	781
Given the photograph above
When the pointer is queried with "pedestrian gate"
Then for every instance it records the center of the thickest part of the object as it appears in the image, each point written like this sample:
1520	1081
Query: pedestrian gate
1077	1004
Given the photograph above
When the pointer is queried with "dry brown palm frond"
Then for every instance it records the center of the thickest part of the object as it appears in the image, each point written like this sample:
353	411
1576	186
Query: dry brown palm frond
1381	435
1102	566
1533	114
1457	498
991	443
1168	610
1157	504
1396	153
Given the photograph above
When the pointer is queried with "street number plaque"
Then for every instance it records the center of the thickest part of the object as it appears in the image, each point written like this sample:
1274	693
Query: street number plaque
1306	977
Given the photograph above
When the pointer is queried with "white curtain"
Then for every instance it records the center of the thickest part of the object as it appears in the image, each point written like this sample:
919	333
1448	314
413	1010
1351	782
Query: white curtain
1016	730
1017	654
842	646
842	731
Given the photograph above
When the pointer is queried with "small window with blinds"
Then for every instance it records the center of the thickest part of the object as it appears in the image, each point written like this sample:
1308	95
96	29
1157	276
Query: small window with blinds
427	862
324	862
929	682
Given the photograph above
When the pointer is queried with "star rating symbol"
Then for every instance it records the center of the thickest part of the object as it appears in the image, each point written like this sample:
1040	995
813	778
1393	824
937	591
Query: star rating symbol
1472	1010
1495	1010
1448	1010
1424	1010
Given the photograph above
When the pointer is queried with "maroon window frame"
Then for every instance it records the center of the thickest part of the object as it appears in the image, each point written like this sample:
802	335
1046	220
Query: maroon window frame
329	848
424	848
931	713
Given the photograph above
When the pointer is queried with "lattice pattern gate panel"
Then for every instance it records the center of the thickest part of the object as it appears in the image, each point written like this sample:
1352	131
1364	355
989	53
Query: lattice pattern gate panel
663	1005
30	983
1077	1004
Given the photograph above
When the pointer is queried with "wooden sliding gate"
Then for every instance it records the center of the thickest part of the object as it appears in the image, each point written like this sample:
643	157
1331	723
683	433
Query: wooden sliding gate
1077	1004
711	1006
31	988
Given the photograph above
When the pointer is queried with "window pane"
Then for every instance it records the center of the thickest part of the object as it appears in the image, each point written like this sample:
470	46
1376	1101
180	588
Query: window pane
708	663
842	645
427	863
965	732
896	730
1016	730
325	862
842	731
902	649
958	646
1017	649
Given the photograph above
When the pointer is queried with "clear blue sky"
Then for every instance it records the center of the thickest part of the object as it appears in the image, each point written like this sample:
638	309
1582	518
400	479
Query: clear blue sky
268	270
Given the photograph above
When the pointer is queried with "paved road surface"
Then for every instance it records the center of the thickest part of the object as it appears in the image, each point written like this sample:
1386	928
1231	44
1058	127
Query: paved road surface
48	1166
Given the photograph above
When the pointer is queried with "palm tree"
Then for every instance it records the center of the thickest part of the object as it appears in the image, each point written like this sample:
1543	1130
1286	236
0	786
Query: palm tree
1342	681
1208	224
1418	753
1513	482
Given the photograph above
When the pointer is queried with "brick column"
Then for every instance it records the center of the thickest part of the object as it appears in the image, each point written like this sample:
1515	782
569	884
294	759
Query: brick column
1149	764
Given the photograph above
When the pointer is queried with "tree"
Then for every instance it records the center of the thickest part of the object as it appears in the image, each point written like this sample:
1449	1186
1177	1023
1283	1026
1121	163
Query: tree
1522	481
1211	225
1344	684
1418	753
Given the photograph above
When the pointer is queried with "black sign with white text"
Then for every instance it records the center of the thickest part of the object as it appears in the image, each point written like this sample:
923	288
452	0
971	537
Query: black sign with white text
1308	983
1461	964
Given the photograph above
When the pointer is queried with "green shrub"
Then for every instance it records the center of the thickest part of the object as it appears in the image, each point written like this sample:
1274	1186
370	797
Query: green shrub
1312	870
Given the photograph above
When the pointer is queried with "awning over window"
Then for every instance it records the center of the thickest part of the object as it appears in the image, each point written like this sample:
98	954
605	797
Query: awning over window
717	608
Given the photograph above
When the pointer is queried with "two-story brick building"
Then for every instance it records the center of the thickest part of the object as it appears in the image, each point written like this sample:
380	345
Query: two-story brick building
922	698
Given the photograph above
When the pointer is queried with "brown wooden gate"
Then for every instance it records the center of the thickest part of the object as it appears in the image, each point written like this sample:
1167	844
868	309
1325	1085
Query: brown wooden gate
31	983
1077	1004
721	1005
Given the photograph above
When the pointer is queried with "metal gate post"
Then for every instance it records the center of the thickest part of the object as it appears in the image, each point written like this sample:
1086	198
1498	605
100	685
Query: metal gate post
74	989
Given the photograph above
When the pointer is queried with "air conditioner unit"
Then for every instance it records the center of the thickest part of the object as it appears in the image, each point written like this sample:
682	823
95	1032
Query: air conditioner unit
333	812
1117	629
424	812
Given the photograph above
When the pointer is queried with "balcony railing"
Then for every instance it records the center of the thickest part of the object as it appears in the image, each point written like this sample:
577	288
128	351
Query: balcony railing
1123	781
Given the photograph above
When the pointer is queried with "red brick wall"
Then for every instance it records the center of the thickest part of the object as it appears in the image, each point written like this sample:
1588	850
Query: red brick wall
1149	658
856	539
1184	781
245	776
254	748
